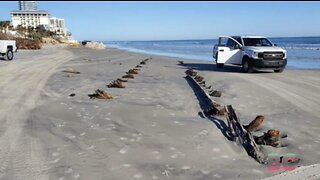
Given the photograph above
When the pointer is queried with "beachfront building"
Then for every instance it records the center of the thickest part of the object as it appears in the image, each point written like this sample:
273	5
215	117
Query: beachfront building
29	18
27	5
57	25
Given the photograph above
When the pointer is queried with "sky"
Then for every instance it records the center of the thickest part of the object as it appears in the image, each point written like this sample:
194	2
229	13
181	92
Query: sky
128	21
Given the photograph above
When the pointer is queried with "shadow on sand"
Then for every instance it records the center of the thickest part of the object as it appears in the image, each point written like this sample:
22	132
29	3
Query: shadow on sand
221	125
212	67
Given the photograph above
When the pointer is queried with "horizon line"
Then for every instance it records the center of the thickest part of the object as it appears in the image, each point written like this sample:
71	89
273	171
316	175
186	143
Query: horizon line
207	39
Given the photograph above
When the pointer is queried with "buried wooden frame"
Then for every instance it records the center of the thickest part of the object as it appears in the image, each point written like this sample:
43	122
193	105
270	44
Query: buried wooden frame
243	137
236	130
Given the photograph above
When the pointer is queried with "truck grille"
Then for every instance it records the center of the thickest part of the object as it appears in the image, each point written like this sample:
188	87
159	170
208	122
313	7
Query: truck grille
273	55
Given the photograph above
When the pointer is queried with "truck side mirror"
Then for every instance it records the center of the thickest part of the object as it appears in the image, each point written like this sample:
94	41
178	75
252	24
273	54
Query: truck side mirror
275	44
237	46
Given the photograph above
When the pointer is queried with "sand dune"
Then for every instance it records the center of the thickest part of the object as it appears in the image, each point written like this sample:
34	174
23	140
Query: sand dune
152	128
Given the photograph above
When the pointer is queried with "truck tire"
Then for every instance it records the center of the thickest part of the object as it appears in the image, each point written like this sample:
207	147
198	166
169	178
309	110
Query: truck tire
8	55
278	70
246	66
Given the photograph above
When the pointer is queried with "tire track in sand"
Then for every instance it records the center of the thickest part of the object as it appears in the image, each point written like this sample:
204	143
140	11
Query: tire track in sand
301	97
20	91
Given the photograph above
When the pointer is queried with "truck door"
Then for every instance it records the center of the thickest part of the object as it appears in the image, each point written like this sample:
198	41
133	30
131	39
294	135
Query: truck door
231	53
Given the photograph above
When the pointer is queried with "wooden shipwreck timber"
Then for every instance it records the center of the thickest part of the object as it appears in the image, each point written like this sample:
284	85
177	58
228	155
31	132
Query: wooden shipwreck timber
239	133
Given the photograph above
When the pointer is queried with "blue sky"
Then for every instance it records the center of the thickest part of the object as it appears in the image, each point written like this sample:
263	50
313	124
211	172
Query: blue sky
180	20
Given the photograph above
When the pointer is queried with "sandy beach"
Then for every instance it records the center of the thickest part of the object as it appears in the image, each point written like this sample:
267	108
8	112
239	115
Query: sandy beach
152	128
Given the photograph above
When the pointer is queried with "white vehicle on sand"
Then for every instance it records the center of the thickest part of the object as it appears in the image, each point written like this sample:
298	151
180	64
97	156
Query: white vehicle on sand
7	47
251	52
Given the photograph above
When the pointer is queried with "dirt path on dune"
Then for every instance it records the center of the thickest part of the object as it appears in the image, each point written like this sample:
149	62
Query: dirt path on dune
21	81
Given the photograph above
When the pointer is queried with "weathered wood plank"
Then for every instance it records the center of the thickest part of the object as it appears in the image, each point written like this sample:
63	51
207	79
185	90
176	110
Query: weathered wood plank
242	137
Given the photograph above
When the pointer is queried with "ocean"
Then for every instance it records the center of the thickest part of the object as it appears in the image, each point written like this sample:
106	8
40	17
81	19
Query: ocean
303	52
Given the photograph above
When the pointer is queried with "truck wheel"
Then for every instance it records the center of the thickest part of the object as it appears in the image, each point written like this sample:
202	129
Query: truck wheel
278	70
246	66
8	55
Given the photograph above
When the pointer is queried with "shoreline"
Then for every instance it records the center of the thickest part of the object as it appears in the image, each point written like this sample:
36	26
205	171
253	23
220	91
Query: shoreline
188	57
152	128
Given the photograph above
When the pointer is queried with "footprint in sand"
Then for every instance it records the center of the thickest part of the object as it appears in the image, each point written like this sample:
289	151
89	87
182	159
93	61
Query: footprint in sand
124	150
177	154
91	147
185	167
216	150
205	172
76	176
174	156
61	125
157	157
123	138
79	114
217	176
138	176
68	170
155	152
203	133
55	161
55	154
224	156
257	171
126	165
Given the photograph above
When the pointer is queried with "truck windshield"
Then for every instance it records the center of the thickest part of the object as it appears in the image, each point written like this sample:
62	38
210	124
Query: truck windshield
256	42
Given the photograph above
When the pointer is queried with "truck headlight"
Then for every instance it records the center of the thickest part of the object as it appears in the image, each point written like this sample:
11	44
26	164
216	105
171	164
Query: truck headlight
256	55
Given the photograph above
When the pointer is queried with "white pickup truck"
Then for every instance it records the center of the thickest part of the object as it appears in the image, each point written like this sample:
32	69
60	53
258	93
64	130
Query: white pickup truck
251	52
7	47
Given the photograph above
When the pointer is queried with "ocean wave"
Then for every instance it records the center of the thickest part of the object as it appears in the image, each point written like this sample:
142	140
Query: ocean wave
301	48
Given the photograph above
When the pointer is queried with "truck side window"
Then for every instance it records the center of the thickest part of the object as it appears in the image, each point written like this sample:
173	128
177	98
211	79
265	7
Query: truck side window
223	42
230	43
239	40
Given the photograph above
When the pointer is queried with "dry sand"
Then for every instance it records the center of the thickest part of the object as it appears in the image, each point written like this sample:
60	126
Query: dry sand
153	128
